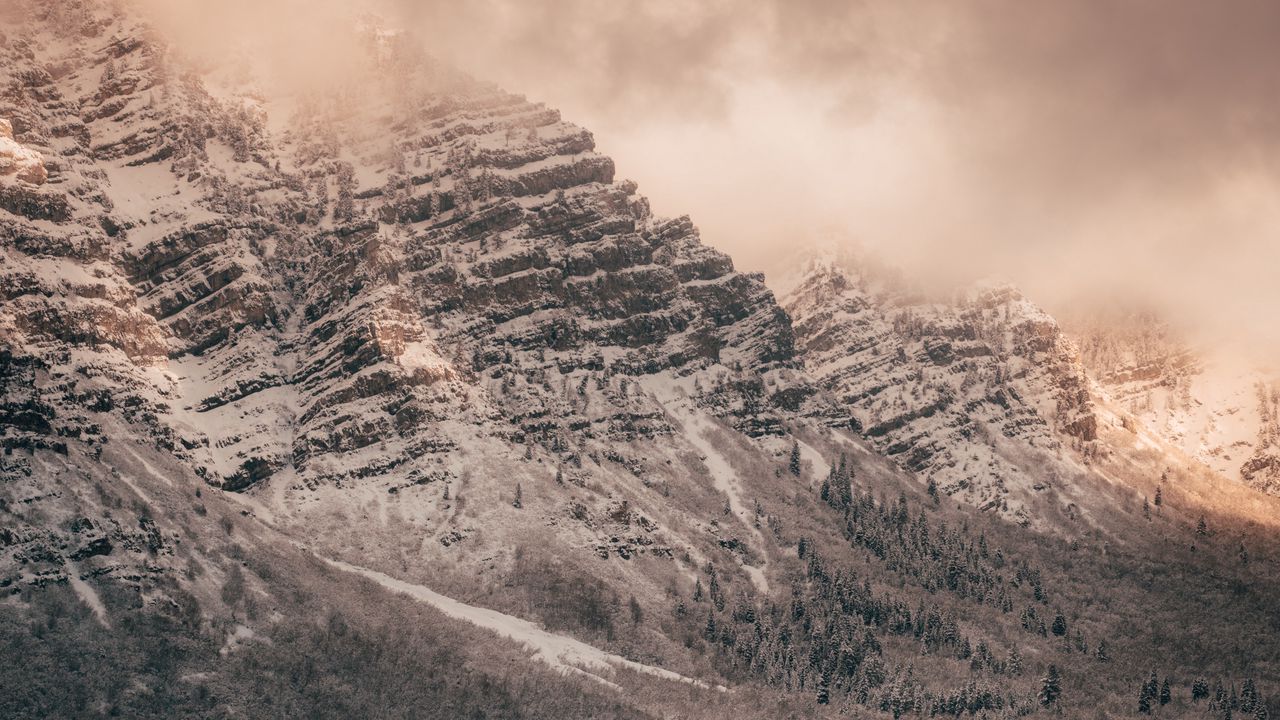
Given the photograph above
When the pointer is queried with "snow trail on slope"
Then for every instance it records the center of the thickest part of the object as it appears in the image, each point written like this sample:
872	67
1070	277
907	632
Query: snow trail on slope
724	477
87	595
565	654
149	467
818	467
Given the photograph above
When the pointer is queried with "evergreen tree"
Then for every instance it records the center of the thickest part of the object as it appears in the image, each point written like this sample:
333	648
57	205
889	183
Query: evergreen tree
1202	528
1165	693
714	591
1081	645
845	483
1101	652
1050	687
1149	692
519	501
794	465
1199	690
1013	663
1059	625
1248	695
1159	497
824	688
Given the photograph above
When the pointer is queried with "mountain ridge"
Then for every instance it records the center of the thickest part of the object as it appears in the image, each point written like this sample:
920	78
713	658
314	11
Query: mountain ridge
418	327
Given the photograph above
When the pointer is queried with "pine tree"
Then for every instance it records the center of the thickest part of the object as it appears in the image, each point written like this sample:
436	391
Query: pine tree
824	688
714	591
1050	687
697	590
1149	692
1159	497
519	501
1248	695
1059	625
1165	693
794	465
1199	690
1202	528
1013	663
1101	652
845	483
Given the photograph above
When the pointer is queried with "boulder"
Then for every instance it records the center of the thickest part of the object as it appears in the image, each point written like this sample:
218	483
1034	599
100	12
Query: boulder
23	163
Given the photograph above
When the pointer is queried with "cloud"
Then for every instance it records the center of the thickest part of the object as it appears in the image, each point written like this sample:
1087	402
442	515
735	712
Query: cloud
1084	150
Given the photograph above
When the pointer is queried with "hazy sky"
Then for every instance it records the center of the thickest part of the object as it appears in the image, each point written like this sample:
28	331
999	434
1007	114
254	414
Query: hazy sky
1077	148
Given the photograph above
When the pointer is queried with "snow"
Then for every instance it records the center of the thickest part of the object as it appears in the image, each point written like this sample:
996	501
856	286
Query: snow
818	467
18	160
421	355
696	425
565	654
87	595
239	636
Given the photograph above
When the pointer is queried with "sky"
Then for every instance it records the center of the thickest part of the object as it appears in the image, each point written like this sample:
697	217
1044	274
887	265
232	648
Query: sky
1095	153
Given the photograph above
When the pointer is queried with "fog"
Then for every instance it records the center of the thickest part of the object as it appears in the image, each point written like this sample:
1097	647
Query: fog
1092	152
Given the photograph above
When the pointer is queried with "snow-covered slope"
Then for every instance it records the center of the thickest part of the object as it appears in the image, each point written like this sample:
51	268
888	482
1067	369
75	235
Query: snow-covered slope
1207	402
341	302
416	325
978	393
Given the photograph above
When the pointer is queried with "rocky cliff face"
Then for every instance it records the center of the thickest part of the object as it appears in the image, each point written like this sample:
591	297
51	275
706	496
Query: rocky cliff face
357	297
974	393
415	327
1213	407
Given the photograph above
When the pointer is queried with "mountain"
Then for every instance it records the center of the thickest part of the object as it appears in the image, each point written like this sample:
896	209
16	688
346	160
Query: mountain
1209	404
978	393
389	395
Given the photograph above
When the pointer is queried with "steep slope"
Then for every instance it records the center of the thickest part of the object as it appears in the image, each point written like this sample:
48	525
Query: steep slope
416	319
265	355
1210	405
978	394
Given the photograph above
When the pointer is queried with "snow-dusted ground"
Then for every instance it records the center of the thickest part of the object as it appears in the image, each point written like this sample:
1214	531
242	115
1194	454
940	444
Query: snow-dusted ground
562	653
696	425
87	594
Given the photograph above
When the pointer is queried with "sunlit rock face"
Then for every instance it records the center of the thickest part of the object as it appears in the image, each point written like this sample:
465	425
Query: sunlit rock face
17	161
356	292
976	391
1215	406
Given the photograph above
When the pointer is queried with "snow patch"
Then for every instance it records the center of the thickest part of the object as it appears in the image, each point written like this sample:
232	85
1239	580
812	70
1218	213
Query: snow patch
87	595
696	425
565	654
